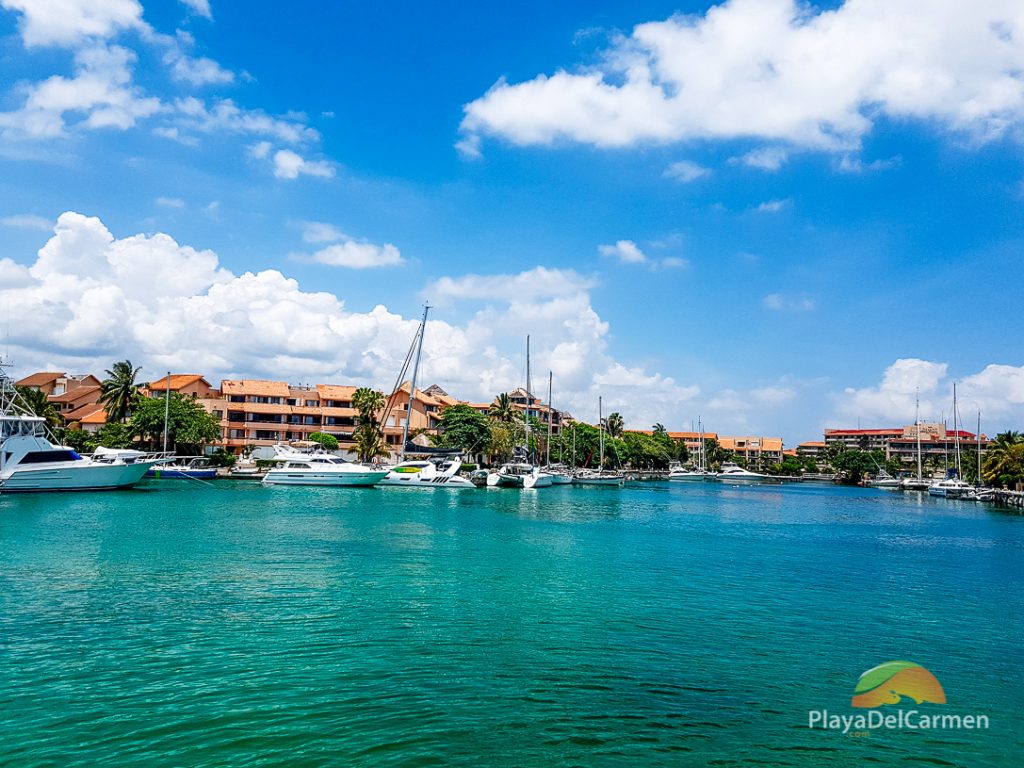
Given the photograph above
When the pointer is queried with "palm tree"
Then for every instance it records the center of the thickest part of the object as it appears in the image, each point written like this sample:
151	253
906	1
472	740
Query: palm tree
38	403
369	402
503	409
659	429
368	435
1004	461
614	424
119	392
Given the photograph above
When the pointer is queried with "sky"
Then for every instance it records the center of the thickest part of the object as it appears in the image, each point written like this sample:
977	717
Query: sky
770	216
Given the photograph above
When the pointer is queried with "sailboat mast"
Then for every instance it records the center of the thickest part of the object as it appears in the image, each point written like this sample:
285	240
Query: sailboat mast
956	436
412	384
917	422
548	446
526	410
167	408
978	441
600	426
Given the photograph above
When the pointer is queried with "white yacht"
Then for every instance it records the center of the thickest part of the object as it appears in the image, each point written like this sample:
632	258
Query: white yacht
734	473
883	480
319	468
519	475
560	474
596	477
31	461
694	474
952	488
440	472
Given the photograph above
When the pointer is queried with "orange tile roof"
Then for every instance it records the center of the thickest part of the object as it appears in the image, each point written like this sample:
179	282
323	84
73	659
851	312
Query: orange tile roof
38	379
335	391
812	444
763	443
178	381
74	394
254	387
692	436
95	413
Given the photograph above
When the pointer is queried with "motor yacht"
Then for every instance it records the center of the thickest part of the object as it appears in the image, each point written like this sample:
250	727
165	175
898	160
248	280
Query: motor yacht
519	475
696	474
734	473
30	460
952	488
439	472
184	468
319	468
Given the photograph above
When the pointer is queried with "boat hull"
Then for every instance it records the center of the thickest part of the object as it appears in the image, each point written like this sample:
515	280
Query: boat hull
398	480
604	481
689	477
86	477
162	473
327	479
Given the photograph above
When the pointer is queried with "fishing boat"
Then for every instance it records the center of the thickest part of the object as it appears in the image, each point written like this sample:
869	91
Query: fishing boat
319	468
31	459
599	476
882	479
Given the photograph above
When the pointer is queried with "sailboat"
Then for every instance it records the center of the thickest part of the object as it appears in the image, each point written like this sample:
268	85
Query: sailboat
521	473
700	471
437	468
600	477
953	486
917	483
559	475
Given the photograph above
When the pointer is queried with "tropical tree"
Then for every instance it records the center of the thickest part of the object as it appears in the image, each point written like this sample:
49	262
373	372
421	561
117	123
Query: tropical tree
325	441
118	392
503	409
501	442
614	424
1004	460
368	434
37	403
189	425
659	429
464	428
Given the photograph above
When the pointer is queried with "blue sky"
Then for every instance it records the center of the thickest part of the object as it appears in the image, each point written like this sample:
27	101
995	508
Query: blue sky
776	217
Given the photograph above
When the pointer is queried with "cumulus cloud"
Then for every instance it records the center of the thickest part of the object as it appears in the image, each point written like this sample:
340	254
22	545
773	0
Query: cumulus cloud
320	232
100	95
95	298
778	71
291	165
170	202
772	206
625	251
199	7
358	255
69	23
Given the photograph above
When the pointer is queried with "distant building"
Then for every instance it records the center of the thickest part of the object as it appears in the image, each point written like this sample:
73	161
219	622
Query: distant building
423	416
863	439
187	384
690	439
74	397
901	443
814	449
756	451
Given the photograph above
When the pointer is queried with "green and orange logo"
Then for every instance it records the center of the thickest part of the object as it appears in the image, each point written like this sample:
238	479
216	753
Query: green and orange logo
888	683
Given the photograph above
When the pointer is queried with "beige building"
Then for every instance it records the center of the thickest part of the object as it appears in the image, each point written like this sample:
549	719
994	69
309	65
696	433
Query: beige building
74	397
756	451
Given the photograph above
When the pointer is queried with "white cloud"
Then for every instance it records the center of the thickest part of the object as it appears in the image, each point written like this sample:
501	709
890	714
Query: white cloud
199	7
674	262
772	206
196	71
27	221
320	232
170	202
71	22
358	255
260	150
100	94
781	302
224	116
764	158
686	171
291	165
534	284
779	71
892	401
97	298
625	251
853	164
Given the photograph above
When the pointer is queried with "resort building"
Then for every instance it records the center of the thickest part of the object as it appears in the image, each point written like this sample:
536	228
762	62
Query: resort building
692	440
755	451
423	416
186	384
936	443
74	397
862	439
812	448
534	406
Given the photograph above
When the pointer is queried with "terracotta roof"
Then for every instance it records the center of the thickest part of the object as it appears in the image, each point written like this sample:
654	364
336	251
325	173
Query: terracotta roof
692	436
884	431
335	392
812	444
38	379
89	409
763	443
74	394
96	417
254	387
178	381
421	396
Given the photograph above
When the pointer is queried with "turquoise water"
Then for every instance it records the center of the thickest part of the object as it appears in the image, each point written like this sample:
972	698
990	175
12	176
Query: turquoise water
231	624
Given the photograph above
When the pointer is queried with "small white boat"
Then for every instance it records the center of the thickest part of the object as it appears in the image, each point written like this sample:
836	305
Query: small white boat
560	474
599	478
184	468
914	484
319	468
734	473
952	488
682	475
519	475
883	480
437	473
